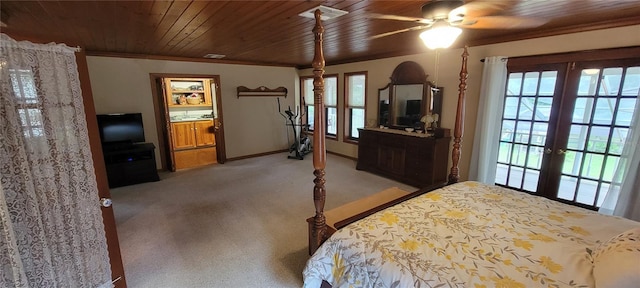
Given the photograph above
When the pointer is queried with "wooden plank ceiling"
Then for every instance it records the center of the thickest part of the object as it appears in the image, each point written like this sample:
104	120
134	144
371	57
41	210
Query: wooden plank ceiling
271	32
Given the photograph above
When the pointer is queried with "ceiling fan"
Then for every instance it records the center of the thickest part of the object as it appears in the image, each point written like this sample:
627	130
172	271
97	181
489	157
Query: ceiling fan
444	18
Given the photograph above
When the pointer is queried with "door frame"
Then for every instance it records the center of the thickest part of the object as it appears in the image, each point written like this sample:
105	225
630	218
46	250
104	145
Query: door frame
160	109
565	123
552	164
557	101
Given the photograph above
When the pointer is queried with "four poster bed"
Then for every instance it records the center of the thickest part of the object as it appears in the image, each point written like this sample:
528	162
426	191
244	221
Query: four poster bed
462	235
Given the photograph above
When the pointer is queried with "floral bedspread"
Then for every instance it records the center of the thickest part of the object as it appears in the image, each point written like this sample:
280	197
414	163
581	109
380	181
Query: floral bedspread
466	235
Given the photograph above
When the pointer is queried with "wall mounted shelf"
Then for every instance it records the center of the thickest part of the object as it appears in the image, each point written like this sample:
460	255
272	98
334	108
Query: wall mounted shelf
261	91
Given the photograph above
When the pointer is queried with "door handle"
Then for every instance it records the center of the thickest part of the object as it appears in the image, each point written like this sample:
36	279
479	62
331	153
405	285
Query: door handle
106	202
561	151
548	151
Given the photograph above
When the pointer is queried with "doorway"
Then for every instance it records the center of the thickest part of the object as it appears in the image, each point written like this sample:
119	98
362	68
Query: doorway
180	145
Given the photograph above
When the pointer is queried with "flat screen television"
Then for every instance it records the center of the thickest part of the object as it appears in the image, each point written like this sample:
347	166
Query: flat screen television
124	128
413	107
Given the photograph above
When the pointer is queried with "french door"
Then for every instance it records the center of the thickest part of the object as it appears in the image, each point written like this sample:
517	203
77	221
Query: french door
564	126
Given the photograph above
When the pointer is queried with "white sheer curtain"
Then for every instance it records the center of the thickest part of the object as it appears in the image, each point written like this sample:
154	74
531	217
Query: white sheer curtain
484	155
51	230
623	197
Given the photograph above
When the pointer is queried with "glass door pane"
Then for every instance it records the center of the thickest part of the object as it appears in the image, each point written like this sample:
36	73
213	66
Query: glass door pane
604	103
525	124
564	127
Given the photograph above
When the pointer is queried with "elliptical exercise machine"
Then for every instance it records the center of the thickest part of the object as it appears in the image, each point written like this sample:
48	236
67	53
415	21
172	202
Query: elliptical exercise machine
301	146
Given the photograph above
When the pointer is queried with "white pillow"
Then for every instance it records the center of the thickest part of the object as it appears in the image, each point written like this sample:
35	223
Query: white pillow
616	262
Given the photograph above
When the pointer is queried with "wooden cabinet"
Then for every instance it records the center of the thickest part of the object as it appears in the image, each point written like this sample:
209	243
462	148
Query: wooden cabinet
410	158
195	157
193	143
192	134
187	92
183	135
204	133
191	110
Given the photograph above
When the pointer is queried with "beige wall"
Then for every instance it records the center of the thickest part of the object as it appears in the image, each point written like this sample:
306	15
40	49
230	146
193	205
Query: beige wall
252	124
448	70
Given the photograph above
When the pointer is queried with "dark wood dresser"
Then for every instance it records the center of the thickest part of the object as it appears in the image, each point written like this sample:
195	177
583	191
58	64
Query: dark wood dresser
407	157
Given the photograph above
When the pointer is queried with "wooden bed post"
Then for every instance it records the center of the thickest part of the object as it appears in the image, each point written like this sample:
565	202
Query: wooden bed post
454	176
318	229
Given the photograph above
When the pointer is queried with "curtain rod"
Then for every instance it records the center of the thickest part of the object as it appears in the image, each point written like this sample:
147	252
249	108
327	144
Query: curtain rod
502	59
6	40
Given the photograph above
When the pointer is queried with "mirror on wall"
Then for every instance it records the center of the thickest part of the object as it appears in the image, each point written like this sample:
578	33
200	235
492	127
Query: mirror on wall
408	100
408	97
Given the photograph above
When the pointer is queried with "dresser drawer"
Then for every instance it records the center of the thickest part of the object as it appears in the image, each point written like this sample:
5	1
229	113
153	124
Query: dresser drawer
410	159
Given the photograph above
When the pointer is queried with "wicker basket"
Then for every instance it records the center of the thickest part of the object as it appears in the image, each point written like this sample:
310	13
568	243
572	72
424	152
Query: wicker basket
193	100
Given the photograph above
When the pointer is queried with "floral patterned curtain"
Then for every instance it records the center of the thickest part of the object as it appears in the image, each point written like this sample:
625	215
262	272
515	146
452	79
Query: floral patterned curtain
51	230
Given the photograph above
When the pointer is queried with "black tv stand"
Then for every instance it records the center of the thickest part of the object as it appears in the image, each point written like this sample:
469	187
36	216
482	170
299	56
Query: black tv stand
130	164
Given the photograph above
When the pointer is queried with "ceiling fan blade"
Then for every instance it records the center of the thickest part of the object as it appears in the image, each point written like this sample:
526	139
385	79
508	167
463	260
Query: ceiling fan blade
421	27
481	8
501	22
400	18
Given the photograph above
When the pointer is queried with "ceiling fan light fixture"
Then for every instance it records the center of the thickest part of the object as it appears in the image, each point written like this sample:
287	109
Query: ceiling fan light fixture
441	35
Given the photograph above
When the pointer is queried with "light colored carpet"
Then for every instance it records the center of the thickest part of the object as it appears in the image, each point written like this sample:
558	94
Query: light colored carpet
239	224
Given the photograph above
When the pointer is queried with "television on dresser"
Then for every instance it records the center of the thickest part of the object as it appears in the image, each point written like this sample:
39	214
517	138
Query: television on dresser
121	129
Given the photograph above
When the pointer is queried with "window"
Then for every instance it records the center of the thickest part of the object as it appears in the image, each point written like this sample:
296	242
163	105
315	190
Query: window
306	84
355	101
24	88
331	104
